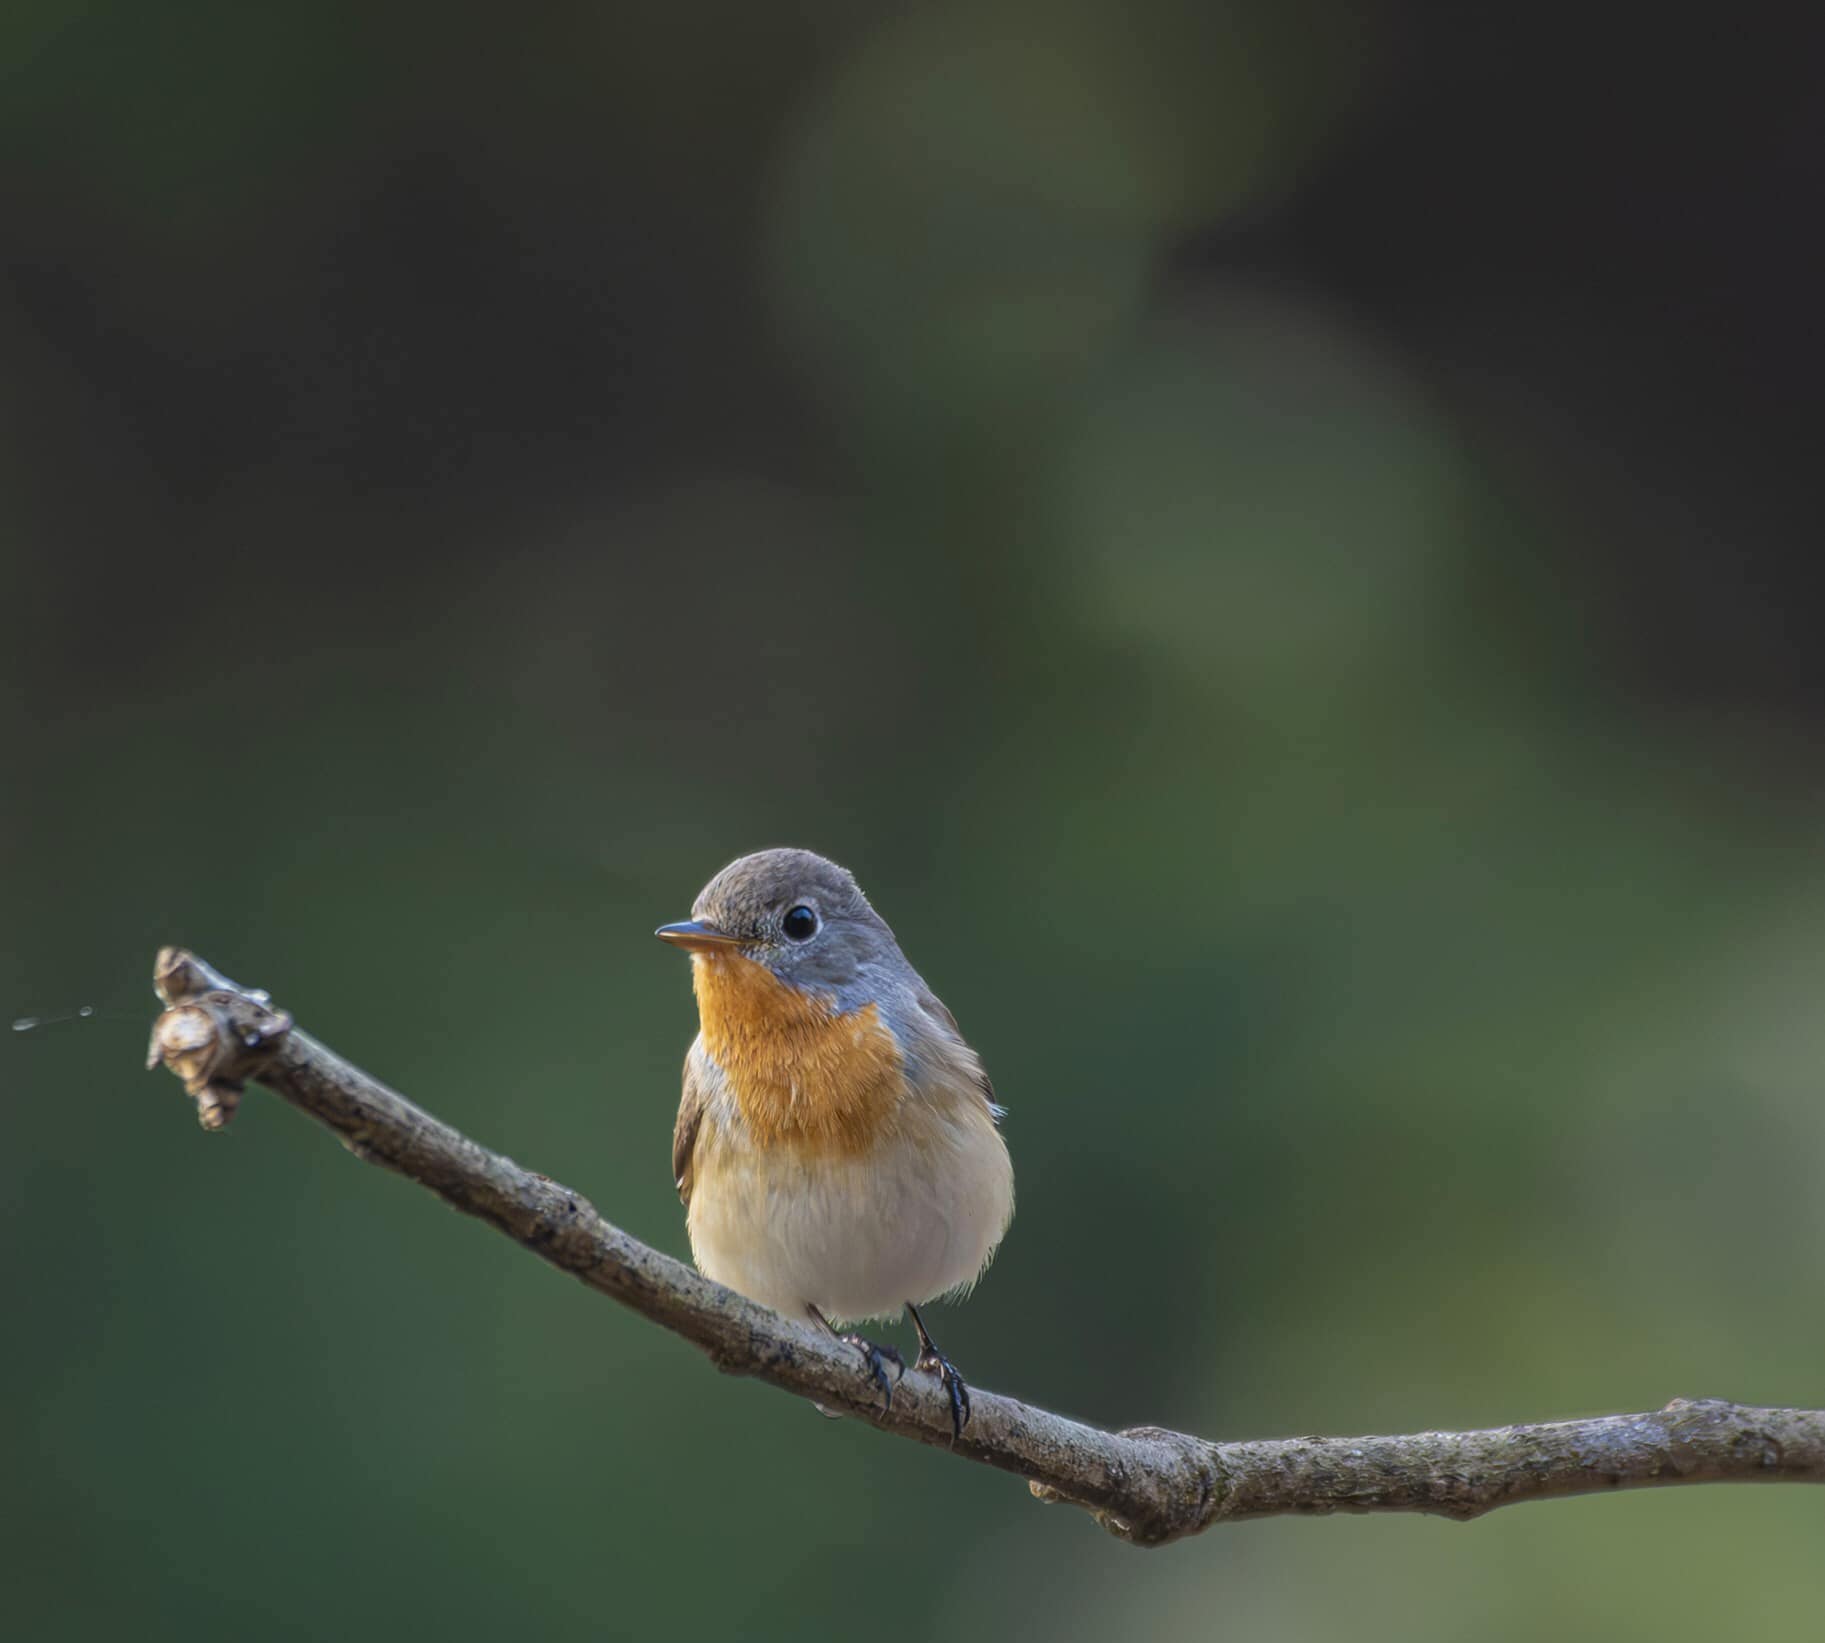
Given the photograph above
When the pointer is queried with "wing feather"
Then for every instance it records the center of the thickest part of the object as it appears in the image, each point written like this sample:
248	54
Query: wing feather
690	1119
938	1010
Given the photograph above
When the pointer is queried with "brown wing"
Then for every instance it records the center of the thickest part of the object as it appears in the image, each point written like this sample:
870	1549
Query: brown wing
684	1132
935	1007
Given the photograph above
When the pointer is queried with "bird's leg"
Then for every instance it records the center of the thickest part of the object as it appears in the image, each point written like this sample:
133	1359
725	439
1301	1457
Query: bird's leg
876	1357
932	1359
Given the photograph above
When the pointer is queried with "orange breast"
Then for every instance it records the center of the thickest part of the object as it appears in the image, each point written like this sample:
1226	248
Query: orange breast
800	1072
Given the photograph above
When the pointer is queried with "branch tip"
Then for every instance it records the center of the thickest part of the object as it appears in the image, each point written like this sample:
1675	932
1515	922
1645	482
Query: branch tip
213	1034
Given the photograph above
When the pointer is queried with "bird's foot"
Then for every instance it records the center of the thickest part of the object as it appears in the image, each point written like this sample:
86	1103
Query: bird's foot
878	1358
934	1362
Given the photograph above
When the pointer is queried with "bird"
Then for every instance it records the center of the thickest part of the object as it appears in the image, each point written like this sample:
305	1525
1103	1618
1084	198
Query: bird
838	1148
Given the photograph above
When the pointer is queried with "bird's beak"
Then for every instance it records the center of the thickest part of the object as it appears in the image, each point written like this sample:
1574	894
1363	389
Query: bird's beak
696	937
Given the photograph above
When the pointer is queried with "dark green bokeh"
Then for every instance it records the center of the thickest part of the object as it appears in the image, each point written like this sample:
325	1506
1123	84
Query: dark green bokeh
1292	600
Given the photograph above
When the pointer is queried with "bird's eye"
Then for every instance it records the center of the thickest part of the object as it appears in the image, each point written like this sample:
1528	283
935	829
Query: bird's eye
799	924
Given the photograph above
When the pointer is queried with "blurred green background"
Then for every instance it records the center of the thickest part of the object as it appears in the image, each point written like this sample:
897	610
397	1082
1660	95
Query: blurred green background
1279	542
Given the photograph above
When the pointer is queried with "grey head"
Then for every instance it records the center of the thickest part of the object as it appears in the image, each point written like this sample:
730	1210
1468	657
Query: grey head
803	917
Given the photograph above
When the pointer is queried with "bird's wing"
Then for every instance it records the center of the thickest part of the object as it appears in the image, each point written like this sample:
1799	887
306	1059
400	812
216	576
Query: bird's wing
938	1010
690	1116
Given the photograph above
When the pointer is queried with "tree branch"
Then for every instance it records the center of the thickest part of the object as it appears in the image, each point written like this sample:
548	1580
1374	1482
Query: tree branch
1146	1485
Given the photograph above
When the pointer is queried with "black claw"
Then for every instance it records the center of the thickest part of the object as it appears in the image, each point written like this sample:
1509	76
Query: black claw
935	1362
878	1358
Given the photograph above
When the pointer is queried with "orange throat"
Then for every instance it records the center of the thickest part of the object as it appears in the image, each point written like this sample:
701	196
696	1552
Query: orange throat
798	1070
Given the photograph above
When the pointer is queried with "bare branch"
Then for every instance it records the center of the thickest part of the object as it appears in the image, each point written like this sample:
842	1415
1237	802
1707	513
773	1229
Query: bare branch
1146	1485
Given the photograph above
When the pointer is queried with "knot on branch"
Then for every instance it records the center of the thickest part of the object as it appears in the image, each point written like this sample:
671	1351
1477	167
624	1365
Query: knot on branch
1175	1490
213	1034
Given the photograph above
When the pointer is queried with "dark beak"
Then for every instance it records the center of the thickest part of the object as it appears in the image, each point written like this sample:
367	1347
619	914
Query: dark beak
694	937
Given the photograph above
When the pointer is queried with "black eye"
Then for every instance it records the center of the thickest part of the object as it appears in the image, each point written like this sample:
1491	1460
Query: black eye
799	924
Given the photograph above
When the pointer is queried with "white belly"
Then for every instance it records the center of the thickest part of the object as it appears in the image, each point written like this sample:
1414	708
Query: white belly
917	1218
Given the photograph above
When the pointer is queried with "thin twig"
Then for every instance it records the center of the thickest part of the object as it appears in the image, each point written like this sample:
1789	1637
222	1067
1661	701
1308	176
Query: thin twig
1146	1485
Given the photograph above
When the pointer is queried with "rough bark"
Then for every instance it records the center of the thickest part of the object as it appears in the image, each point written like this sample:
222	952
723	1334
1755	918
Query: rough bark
1146	1485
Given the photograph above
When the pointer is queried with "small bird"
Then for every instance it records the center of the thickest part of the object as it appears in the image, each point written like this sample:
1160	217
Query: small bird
838	1148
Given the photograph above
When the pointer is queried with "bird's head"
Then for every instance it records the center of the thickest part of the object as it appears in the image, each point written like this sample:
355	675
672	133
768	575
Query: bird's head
794	913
